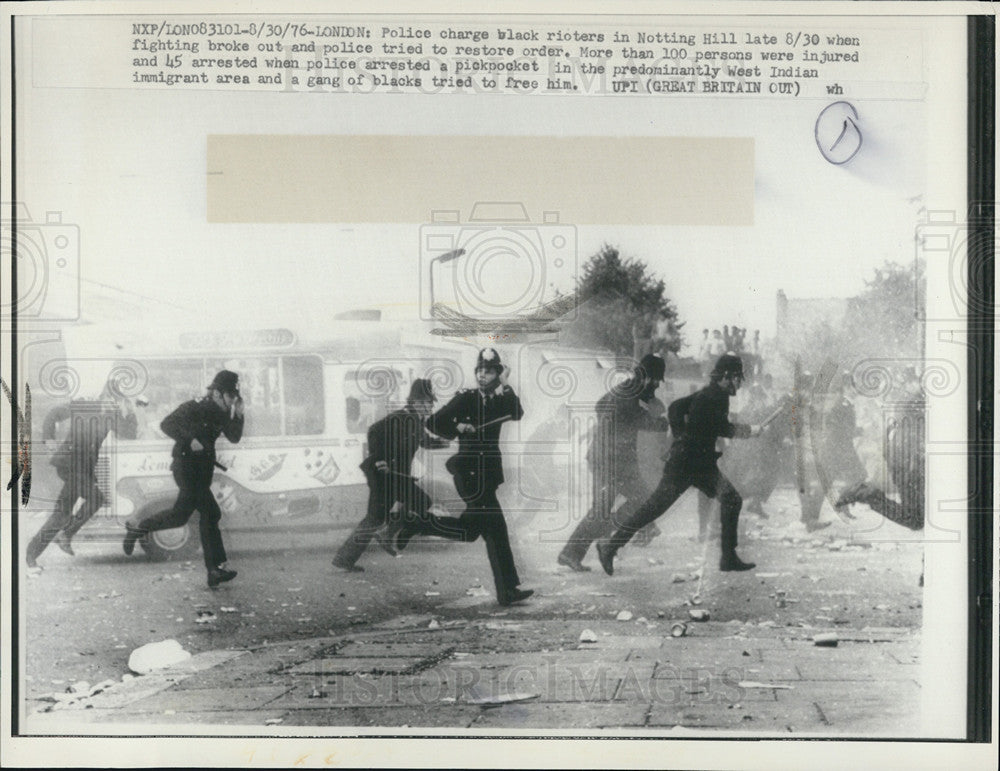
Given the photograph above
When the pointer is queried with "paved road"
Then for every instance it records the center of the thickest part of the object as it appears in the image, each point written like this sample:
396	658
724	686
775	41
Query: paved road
419	640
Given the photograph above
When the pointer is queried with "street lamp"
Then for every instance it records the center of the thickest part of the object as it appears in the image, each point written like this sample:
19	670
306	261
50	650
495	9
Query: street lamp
454	254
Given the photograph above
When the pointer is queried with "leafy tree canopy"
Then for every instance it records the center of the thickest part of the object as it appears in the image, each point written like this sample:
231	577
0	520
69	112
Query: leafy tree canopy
619	297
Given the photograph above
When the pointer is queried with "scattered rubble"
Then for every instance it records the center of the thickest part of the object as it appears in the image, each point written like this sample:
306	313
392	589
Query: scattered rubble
157	655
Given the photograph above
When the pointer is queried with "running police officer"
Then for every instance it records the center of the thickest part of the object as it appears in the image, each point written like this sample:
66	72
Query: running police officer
194	427
614	463
692	461
392	443
475	417
75	462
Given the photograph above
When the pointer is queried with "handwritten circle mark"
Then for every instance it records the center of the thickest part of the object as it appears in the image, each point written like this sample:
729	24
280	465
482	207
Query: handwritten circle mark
838	135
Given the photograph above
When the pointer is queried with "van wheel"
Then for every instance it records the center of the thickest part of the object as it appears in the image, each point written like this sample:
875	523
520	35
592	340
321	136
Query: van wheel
177	543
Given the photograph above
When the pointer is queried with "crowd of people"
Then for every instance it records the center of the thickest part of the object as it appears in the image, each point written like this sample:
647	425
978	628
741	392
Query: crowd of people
806	436
732	340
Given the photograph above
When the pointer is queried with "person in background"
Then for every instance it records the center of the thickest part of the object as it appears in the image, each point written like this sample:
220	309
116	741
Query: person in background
392	443
90	421
195	426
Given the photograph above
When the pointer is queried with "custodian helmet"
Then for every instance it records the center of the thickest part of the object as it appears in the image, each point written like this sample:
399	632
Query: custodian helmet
727	364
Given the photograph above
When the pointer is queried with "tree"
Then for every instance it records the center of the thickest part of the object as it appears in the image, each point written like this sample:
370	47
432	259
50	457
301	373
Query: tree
614	294
884	319
880	322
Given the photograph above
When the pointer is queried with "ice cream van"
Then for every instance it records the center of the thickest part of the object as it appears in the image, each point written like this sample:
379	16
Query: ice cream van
309	403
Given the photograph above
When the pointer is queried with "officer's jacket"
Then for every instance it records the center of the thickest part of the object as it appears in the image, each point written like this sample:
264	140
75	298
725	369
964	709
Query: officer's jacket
90	423
706	420
478	452
395	439
620	417
203	420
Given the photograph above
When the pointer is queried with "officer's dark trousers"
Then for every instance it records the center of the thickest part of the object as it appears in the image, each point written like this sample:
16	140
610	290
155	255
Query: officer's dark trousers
77	483
482	517
195	483
677	478
600	521
384	491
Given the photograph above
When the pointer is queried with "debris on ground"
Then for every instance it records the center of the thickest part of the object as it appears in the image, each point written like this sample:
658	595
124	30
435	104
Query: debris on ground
698	614
755	684
588	636
825	640
624	615
500	698
158	655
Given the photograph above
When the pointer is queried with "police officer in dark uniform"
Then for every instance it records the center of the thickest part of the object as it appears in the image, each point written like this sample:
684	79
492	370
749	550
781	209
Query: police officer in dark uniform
475	418
75	462
392	443
693	461
194	427
621	413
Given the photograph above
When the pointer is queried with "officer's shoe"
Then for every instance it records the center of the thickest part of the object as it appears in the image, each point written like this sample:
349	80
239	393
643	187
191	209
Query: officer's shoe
515	595
63	542
730	562
853	494
218	576
131	536
347	567
385	538
645	536
606	556
572	562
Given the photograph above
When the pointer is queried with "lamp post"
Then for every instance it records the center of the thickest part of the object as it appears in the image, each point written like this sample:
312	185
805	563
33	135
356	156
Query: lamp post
454	254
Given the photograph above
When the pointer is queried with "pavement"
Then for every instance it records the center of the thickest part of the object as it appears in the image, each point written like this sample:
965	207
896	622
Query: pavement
514	671
423	646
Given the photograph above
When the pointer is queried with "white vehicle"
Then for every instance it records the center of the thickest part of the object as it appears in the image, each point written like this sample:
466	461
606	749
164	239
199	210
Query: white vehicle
309	404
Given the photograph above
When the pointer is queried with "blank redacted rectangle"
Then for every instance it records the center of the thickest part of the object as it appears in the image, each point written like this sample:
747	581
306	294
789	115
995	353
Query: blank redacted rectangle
404	179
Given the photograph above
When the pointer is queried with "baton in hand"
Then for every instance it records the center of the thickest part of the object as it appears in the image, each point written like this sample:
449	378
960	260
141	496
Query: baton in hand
496	420
399	474
772	417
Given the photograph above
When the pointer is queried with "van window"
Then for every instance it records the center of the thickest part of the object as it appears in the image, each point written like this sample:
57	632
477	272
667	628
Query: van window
169	383
282	396
367	402
260	387
303	386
